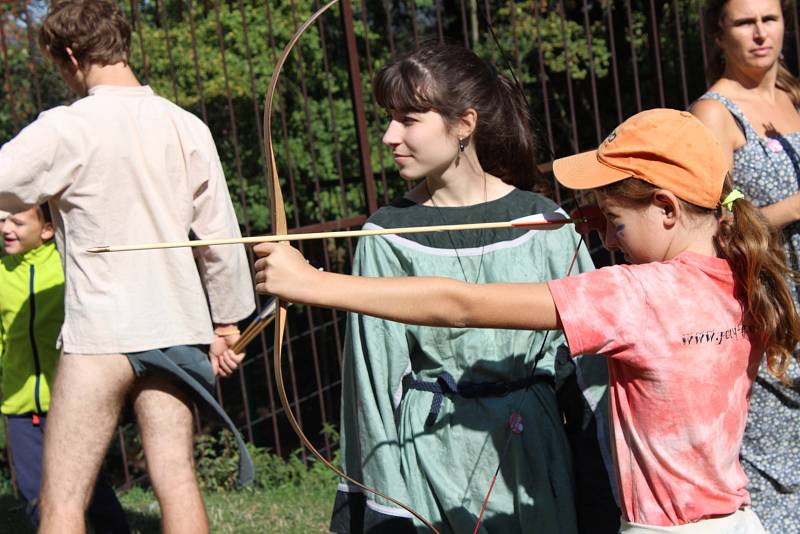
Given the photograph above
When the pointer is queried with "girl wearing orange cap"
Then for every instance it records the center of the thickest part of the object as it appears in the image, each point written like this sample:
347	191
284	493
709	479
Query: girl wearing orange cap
684	328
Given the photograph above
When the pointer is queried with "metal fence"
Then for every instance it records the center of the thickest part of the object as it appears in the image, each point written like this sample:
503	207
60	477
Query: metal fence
584	67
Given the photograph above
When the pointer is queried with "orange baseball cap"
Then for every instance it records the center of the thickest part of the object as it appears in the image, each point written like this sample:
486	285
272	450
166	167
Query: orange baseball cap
668	148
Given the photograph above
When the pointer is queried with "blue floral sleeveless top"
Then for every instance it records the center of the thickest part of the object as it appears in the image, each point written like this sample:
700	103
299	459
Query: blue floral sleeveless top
767	170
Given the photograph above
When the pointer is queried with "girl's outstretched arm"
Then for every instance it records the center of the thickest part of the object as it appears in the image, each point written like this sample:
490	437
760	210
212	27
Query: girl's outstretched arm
282	271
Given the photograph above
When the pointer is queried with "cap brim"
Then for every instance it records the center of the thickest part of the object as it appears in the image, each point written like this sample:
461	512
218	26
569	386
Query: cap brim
584	171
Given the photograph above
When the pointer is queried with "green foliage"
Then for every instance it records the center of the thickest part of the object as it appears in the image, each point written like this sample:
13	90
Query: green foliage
222	79
27	79
562	42
217	457
5	467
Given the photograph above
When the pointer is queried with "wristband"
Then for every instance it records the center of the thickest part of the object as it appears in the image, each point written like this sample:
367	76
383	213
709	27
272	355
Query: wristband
225	331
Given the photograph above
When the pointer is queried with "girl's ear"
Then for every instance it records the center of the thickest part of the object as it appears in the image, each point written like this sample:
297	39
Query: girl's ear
669	205
466	123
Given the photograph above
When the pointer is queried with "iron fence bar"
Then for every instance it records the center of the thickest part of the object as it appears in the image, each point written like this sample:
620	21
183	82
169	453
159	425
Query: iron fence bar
8	88
679	35
253	90
248	423
136	16
374	106
413	15
293	379
389	29
362	131
196	414
543	82
512	9
234	133
161	8
487	15
196	60
312	150
332	118
318	376
218	391
634	59
568	74
464	30
702	35
124	454
613	49
439	28
26	15
592	79
657	52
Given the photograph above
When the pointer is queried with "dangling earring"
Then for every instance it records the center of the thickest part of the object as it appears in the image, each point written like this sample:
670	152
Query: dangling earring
461	144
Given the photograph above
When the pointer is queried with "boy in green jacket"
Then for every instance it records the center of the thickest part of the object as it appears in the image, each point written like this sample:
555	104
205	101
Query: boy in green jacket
31	313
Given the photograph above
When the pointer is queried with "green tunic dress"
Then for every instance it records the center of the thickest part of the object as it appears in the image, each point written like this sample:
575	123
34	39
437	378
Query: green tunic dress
444	469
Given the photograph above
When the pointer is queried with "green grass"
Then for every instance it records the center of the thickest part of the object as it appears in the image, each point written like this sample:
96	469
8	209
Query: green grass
287	497
296	508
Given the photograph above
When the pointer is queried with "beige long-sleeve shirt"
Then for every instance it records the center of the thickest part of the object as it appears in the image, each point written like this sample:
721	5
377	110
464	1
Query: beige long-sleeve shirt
126	166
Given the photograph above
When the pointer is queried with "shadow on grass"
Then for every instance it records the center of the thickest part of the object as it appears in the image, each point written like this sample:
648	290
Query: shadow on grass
14	521
12	510
142	523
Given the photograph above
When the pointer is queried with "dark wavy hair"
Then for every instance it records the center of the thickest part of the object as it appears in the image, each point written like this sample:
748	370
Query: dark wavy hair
450	79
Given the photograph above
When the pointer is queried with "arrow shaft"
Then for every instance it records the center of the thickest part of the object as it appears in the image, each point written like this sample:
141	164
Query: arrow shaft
326	235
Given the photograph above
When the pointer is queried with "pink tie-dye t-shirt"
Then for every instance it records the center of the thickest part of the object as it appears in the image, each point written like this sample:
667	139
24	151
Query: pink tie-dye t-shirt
680	369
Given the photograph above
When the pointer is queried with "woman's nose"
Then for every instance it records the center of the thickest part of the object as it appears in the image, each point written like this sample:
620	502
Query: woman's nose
391	137
759	32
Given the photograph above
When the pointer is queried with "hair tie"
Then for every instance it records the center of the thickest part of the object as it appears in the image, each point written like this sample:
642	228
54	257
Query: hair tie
732	197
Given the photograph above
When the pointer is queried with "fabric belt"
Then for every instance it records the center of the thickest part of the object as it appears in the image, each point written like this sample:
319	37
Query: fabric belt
445	384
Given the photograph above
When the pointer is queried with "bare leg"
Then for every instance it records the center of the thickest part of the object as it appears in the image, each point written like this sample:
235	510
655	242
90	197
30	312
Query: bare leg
88	395
165	424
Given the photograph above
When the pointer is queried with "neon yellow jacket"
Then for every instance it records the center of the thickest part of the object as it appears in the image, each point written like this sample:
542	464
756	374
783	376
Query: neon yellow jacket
31	314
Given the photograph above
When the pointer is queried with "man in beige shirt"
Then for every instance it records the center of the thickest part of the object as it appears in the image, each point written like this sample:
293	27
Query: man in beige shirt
123	165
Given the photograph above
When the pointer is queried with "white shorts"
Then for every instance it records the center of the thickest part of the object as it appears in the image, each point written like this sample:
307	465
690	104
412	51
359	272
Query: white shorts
742	521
